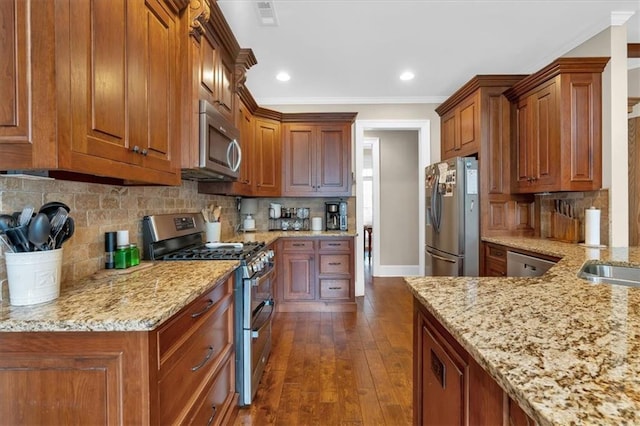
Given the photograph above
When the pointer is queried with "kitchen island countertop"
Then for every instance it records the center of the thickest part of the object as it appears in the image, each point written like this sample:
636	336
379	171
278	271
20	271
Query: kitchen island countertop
566	350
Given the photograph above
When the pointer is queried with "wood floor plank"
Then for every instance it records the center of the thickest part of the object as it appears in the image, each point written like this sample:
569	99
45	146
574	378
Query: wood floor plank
343	368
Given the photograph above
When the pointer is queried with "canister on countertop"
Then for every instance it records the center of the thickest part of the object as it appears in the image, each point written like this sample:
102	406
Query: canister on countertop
109	250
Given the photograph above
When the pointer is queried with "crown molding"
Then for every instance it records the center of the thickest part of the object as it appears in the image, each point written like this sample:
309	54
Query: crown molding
620	17
477	82
353	100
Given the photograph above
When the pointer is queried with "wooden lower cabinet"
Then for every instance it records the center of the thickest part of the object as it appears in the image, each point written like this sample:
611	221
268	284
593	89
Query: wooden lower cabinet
316	274
180	373
495	261
450	387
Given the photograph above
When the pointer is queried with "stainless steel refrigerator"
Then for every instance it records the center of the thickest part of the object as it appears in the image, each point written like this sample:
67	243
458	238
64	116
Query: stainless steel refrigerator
452	218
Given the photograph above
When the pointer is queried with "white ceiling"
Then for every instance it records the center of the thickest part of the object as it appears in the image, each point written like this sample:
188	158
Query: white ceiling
352	51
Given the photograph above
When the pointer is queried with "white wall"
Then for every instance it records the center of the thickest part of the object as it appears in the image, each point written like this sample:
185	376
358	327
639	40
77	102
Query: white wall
398	201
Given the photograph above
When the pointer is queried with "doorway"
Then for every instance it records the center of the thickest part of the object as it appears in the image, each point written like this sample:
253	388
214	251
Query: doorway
422	127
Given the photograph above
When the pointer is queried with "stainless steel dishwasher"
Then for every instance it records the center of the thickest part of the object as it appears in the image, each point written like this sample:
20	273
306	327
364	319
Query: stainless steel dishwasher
521	265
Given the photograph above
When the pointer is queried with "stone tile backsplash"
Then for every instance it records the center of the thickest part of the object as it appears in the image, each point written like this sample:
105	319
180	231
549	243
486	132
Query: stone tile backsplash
99	208
579	201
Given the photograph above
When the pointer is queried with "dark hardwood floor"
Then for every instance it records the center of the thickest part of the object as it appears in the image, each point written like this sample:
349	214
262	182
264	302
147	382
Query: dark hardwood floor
341	368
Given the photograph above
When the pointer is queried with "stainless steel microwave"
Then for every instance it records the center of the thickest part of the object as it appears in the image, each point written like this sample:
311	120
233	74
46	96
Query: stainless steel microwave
220	152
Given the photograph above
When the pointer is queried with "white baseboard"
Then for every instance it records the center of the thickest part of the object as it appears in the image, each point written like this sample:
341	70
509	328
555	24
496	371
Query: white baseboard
397	271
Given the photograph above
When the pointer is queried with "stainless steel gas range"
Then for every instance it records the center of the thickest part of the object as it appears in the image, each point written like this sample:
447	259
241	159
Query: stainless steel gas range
175	237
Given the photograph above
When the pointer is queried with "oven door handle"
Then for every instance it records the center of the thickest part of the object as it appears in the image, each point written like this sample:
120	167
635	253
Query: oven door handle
255	331
255	282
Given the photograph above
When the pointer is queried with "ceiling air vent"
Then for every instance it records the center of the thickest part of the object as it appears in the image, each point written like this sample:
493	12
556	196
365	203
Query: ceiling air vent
267	13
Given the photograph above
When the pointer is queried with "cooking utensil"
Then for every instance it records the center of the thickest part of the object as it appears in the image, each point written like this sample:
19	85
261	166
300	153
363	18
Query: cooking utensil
25	216
6	243
51	208
39	231
67	231
19	238
205	214
217	211
6	221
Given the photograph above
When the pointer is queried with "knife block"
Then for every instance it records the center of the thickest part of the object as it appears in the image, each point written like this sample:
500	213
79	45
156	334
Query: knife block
564	228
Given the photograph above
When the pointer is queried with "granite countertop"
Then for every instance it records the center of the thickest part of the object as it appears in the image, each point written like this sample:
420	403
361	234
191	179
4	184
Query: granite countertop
137	301
568	351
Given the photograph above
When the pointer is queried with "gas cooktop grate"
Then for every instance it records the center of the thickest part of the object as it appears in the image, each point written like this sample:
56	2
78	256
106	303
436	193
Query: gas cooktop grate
203	253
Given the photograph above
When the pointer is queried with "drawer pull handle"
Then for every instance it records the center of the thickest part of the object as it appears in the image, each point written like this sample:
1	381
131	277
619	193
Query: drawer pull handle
213	414
298	244
204	361
335	263
335	288
334	244
206	308
438	369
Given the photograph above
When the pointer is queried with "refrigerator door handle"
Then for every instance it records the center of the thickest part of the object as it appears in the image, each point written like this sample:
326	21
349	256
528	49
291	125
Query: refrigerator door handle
444	259
436	203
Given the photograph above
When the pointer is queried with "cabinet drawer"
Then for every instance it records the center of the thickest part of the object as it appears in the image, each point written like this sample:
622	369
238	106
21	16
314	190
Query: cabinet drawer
178	328
212	407
193	363
334	289
336	245
335	264
497	254
495	269
298	245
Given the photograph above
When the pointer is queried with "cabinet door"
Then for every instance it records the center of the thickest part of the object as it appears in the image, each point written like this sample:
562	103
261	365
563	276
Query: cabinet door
267	150
299	159
153	121
333	160
298	276
121	109
226	95
545	144
247	131
27	85
98	45
449	135
443	380
469	125
74	378
538	161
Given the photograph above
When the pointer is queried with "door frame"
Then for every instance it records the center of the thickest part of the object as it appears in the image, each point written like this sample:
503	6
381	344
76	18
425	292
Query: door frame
424	143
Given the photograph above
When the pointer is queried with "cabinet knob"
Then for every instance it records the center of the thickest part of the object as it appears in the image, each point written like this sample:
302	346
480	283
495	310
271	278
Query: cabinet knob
145	152
135	149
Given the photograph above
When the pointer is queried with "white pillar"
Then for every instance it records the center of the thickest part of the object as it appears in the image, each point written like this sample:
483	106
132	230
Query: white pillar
615	133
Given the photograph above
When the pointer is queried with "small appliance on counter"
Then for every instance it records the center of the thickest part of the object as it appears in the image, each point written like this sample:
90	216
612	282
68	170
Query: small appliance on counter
336	216
248	207
288	218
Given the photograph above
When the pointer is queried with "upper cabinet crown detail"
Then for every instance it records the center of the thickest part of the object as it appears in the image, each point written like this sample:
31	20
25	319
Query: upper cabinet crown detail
557	135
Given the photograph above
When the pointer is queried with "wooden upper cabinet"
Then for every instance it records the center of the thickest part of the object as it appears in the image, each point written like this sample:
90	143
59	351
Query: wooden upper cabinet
216	77
267	159
475	120
27	85
317	159
558	122
460	129
101	78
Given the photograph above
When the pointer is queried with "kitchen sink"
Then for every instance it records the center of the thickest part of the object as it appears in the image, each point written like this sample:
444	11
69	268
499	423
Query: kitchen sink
605	273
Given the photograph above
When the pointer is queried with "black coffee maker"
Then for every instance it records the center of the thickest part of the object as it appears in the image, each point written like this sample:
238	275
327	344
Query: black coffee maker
336	216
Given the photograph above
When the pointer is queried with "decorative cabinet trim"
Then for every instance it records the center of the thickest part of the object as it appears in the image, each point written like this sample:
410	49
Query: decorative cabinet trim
557	67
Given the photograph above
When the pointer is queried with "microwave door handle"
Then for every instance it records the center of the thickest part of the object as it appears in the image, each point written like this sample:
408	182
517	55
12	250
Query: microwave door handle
236	166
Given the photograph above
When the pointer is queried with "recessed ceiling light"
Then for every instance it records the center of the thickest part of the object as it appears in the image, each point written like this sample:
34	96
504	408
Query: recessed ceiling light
283	76
406	76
